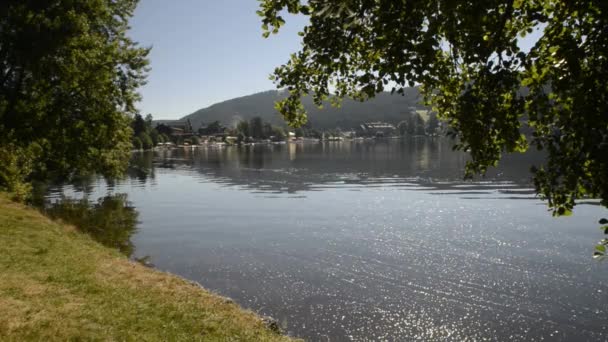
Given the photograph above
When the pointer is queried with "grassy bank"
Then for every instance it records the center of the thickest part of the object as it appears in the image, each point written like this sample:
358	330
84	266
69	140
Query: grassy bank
59	284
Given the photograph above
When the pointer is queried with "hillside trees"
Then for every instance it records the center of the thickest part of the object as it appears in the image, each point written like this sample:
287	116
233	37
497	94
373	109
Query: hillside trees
383	107
69	76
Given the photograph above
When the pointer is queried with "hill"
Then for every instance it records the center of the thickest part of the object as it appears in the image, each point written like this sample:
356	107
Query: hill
384	107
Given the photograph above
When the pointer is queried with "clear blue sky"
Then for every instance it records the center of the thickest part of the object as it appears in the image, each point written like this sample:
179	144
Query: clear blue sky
204	52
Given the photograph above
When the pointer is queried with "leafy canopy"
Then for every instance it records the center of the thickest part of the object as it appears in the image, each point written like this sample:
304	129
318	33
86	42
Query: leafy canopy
68	83
466	57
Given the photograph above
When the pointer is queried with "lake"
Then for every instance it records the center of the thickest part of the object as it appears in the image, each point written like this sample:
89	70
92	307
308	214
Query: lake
368	241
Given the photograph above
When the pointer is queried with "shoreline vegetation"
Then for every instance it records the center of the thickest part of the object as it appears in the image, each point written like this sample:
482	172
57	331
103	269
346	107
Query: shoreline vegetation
165	146
256	131
56	283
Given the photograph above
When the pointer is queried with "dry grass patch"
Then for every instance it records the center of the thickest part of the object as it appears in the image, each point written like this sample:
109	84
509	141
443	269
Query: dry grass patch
57	284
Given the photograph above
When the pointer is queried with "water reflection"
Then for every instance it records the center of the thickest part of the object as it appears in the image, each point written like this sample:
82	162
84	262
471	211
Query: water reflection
364	241
301	167
141	167
112	220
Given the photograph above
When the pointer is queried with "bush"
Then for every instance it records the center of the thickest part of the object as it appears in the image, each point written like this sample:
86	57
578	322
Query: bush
16	166
299	132
155	137
137	144
146	141
278	133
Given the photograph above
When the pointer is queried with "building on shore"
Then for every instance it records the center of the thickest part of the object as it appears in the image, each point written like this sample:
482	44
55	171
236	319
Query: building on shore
180	128
378	129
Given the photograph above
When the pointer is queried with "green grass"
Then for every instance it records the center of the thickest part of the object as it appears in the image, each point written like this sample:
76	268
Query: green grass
58	284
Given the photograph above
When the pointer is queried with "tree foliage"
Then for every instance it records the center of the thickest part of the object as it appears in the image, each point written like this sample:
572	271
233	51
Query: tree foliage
155	136
138	125
212	128
68	83
299	132
432	124
243	128
144	135
146	141
278	133
163	129
256	127
415	124
466	56
137	143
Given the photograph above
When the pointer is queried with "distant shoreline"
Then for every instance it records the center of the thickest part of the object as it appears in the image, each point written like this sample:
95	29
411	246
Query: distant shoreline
305	140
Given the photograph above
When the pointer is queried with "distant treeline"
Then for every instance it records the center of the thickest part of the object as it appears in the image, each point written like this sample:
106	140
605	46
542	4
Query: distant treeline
384	107
144	135
256	129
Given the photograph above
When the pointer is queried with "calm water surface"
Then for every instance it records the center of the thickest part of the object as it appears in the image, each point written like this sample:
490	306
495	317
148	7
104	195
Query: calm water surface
369	241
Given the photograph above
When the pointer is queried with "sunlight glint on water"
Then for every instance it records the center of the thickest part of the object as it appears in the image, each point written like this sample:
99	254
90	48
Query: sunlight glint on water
371	242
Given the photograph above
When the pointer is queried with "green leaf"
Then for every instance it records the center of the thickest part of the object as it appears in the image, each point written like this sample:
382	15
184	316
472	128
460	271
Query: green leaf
84	63
474	76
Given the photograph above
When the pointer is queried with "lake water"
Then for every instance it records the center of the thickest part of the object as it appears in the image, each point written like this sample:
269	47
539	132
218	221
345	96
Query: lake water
369	241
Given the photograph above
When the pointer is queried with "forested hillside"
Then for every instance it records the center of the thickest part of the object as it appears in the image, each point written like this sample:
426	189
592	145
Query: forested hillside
385	107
